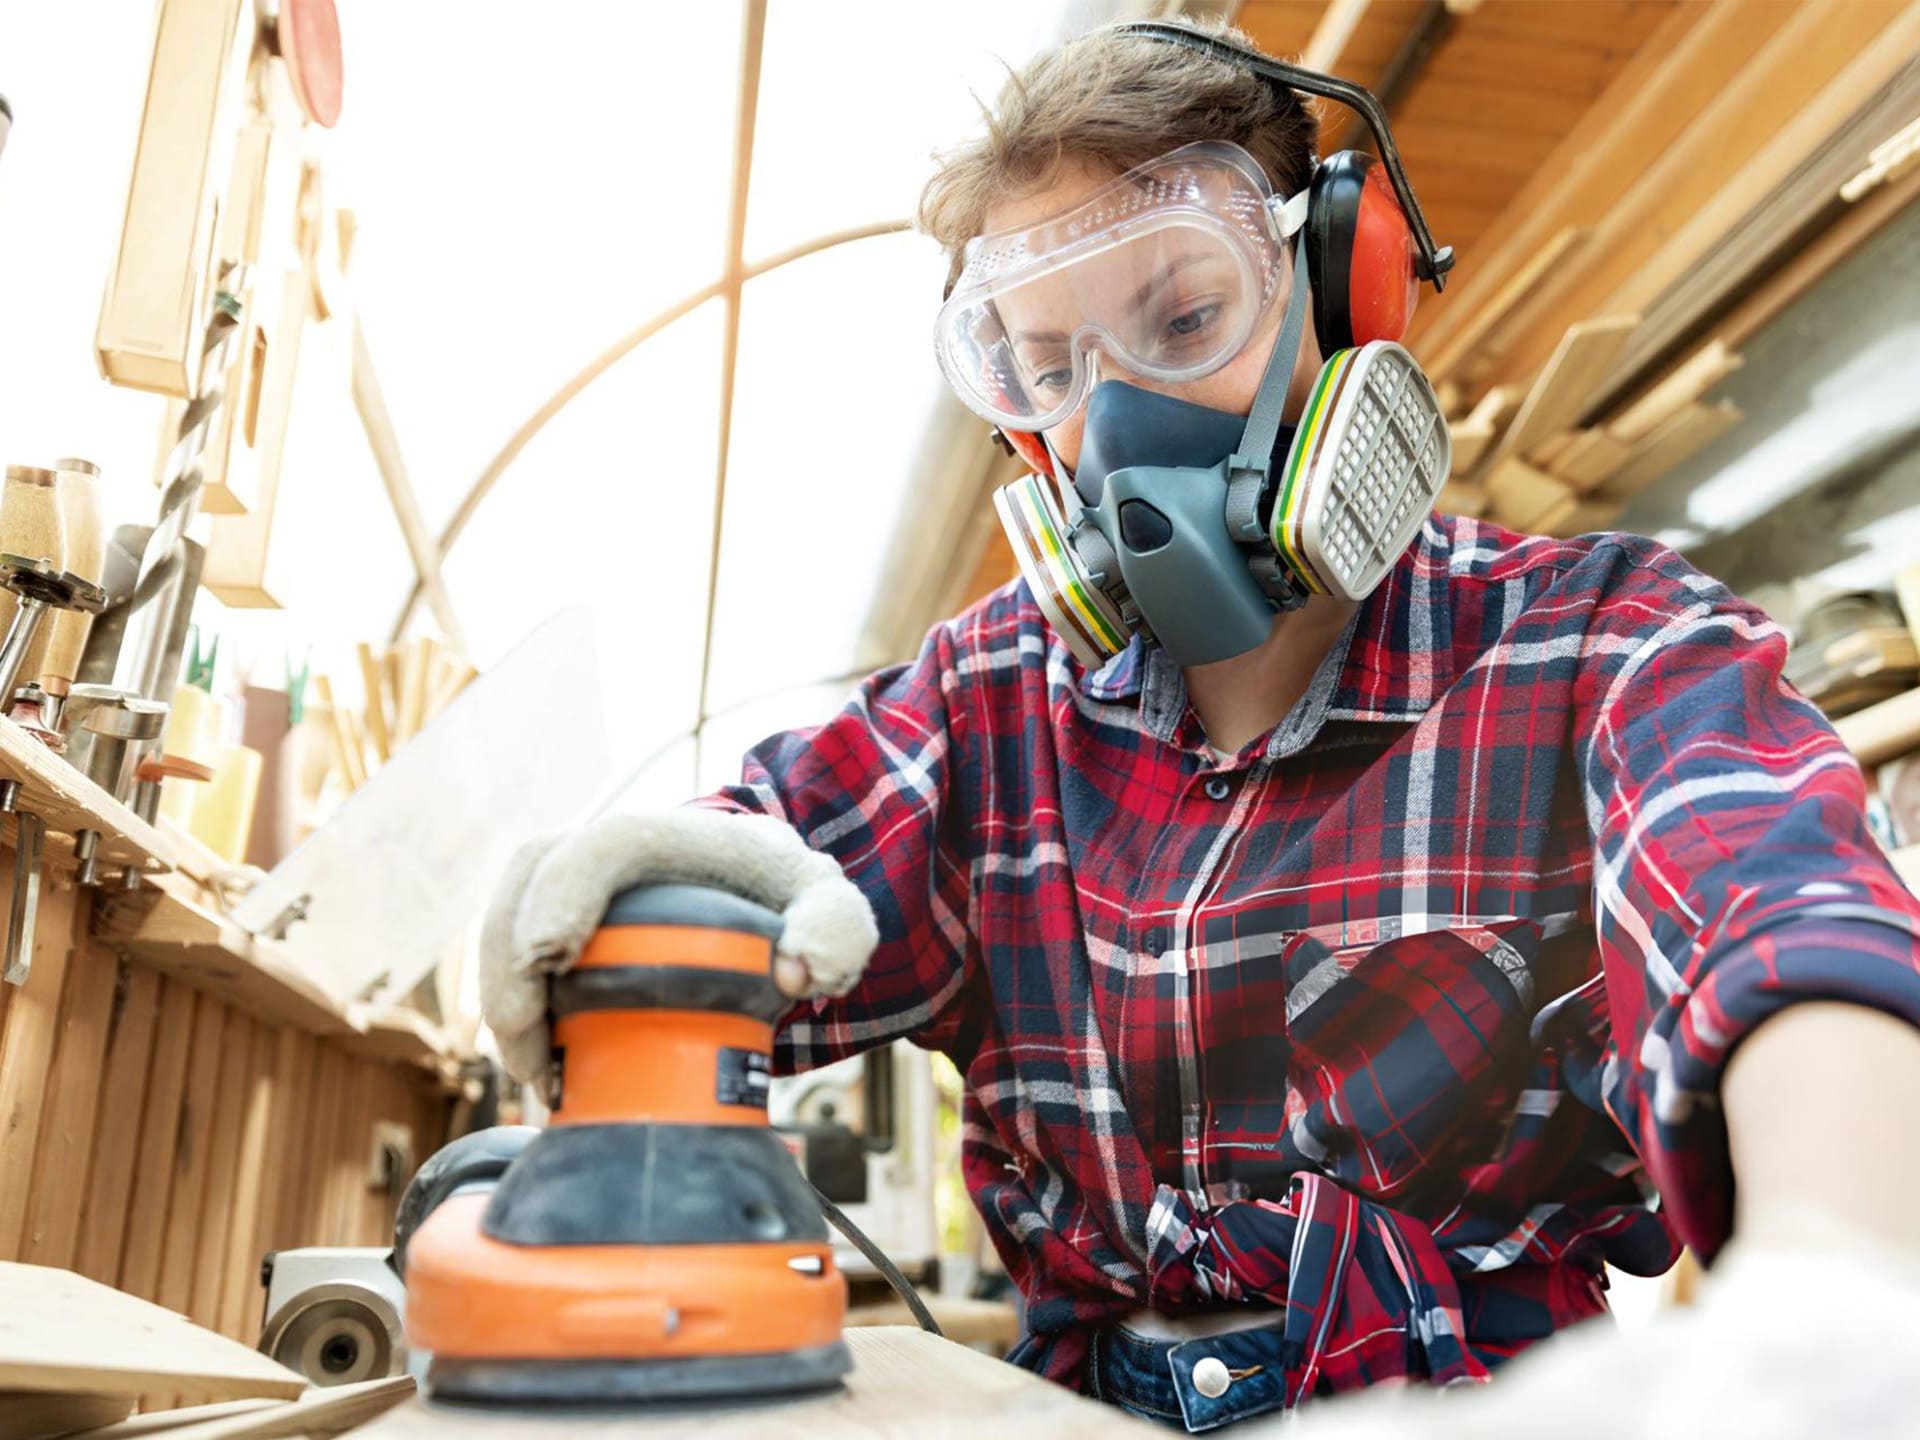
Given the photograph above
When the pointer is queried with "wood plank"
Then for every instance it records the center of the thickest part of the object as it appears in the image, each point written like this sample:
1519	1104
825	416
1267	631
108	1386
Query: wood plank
68	801
292	1103
370	402
302	1221
60	1331
1330	37
1885	731
26	1054
1586	516
1689	60
1521	497
254	1178
319	1411
192	1157
1471	443
1906	588
73	1097
904	1383
343	1170
1827	58
1683	434
1544	452
1578	364
31	1415
1593	456
159	1131
159	1422
1681	386
170	924
123	1093
223	1156
325	1129
1508	306
1461	497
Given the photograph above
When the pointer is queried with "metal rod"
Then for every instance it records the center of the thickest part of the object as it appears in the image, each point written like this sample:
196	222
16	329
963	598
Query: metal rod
13	652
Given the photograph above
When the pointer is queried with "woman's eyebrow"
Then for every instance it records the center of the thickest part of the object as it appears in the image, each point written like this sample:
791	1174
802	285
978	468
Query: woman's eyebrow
1167	272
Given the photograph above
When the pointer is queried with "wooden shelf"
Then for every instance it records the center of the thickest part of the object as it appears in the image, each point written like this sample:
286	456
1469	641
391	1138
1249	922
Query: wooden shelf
69	802
170	923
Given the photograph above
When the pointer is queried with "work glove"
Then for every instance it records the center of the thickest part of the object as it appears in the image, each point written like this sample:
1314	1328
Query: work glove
555	891
1779	1346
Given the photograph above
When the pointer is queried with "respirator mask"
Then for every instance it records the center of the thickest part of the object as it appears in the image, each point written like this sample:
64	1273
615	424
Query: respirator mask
1189	525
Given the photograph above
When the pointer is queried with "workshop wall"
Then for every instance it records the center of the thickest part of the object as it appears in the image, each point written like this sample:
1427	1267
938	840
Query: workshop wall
158	1139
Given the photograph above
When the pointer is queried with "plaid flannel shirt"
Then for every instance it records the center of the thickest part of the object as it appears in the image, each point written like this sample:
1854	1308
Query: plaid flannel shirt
1401	1020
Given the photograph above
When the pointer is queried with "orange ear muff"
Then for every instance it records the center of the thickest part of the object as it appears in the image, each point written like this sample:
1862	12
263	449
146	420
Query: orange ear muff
1360	254
1028	445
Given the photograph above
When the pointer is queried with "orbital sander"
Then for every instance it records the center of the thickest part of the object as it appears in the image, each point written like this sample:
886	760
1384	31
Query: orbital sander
656	1241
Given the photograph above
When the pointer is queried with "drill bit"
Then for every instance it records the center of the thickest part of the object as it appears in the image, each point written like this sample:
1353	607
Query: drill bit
155	598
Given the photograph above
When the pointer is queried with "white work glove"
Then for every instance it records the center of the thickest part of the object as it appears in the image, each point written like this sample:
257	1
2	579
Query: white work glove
554	892
1779	1346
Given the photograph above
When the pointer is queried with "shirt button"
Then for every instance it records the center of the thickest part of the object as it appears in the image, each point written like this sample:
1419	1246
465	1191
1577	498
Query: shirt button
1219	787
1210	1377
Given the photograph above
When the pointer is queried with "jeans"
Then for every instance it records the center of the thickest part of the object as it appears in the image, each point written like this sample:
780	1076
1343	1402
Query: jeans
1155	1378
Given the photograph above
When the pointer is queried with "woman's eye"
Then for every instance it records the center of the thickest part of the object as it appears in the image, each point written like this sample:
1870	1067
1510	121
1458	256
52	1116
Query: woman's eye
1192	322
1053	379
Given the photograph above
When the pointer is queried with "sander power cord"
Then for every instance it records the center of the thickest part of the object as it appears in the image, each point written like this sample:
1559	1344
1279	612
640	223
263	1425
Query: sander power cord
878	1258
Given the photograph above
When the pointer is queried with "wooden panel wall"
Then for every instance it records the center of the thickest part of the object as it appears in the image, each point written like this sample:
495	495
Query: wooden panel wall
162	1141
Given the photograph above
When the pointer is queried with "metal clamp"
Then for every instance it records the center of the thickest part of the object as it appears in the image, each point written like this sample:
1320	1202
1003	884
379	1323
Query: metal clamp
25	902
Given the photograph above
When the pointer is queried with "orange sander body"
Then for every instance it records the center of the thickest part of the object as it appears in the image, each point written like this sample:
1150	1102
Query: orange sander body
657	1240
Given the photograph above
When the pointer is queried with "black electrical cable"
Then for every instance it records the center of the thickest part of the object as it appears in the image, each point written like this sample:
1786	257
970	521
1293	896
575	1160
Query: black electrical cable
857	1238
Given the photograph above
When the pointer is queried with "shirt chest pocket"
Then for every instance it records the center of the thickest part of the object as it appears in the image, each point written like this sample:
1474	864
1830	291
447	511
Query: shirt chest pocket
1404	1050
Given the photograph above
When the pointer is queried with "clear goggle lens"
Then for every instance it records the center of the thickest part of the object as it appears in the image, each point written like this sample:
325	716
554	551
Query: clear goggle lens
1167	271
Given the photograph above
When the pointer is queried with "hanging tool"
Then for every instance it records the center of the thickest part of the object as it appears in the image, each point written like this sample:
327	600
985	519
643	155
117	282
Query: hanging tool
159	596
78	493
105	726
38	586
657	1241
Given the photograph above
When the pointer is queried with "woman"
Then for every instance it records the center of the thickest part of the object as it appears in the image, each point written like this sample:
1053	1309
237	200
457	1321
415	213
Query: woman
1331	1007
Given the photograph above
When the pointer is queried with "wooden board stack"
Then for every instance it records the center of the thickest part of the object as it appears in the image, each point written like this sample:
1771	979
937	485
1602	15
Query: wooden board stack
403	689
1544	472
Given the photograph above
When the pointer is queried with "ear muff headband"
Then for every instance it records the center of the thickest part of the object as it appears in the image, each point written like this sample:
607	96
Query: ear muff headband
1431	262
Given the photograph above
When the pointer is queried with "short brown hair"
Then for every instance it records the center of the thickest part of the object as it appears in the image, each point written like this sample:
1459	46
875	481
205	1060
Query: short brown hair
1119	100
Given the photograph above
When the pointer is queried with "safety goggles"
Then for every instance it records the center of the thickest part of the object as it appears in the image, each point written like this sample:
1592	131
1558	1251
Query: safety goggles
1167	271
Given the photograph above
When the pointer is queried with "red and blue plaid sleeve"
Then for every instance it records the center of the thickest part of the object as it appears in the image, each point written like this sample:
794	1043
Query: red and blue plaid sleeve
1733	870
873	787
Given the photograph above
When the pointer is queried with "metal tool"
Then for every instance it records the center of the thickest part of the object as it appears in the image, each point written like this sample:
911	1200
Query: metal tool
39	584
335	1314
37	713
159	595
24	905
656	1242
106	727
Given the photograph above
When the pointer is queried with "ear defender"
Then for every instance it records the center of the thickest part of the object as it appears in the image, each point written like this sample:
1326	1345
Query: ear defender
1360	254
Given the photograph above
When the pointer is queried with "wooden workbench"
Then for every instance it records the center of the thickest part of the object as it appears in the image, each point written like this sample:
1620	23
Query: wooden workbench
904	1382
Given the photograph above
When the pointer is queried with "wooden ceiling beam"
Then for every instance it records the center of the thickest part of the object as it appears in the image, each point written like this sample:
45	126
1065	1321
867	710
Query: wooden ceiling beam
1687	60
1802	86
1338	24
